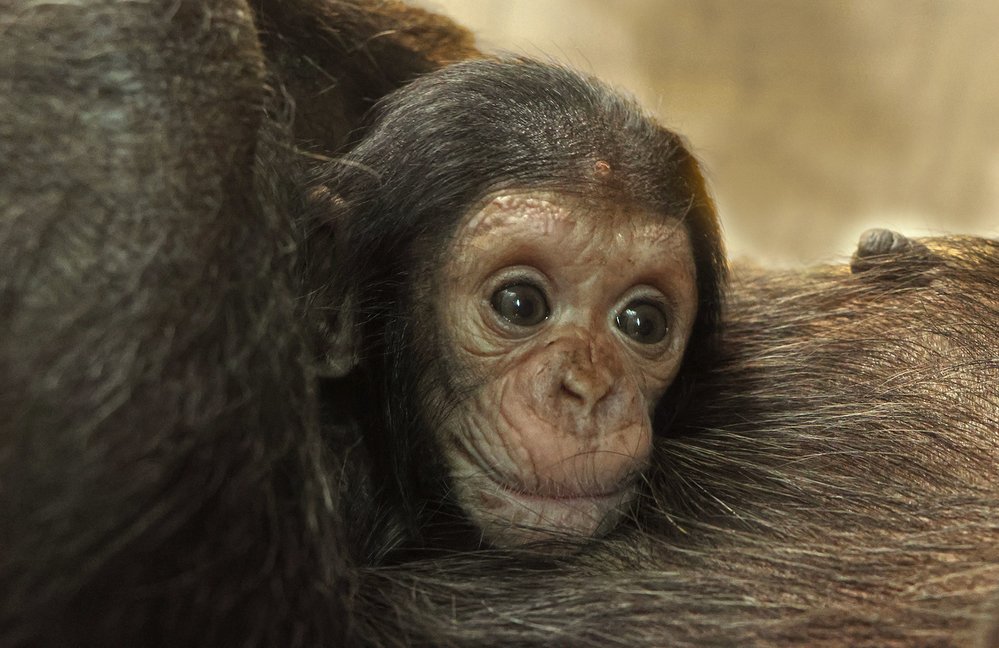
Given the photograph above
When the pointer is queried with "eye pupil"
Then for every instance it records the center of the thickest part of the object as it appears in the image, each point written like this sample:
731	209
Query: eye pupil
520	304
643	322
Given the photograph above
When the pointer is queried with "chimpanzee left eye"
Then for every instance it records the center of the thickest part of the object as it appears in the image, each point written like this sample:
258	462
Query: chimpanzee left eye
643	322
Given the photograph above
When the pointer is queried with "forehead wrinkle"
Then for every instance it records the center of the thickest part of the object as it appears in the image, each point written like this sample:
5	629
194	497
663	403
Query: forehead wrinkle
595	226
520	213
659	231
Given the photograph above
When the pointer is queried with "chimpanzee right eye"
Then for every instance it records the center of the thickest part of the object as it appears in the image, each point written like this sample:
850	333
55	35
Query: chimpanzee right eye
521	304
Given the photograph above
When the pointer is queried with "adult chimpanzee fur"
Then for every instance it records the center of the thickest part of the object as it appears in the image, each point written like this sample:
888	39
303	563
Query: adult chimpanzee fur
835	485
437	148
163	479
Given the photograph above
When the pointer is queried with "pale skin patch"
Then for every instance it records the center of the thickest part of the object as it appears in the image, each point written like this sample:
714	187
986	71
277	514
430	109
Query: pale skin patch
558	429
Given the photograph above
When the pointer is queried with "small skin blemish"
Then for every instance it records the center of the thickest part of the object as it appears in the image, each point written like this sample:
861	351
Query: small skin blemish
489	501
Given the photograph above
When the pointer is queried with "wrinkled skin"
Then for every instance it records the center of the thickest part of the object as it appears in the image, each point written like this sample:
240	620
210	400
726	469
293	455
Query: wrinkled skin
557	430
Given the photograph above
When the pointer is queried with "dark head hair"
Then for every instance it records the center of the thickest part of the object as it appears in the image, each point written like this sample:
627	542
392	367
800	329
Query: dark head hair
451	137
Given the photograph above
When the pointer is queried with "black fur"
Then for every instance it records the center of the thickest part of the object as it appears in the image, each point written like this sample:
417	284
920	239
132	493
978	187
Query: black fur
164	481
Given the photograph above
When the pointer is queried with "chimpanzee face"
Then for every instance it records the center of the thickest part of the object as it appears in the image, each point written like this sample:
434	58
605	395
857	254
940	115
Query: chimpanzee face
572	317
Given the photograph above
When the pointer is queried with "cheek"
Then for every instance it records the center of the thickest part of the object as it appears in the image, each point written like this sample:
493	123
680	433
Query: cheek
468	338
657	378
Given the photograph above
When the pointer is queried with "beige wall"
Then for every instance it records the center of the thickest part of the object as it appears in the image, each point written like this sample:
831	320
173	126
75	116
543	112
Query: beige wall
815	118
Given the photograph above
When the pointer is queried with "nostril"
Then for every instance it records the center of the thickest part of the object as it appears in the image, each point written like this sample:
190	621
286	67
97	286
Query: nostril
585	389
570	393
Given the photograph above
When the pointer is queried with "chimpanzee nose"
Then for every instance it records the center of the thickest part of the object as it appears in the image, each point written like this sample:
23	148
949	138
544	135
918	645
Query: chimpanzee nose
585	382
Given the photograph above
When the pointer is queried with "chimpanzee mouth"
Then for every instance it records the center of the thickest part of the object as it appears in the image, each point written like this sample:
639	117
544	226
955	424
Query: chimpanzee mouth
510	514
554	493
561	493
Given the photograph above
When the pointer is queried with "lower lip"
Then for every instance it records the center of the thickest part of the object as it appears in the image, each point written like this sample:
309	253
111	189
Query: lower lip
560	499
541	497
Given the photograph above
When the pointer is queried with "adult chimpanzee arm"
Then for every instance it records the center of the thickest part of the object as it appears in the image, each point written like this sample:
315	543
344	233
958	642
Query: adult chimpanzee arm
337	57
160	475
333	59
833	483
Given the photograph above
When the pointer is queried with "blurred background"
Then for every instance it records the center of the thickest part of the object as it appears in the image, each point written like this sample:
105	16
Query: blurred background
815	119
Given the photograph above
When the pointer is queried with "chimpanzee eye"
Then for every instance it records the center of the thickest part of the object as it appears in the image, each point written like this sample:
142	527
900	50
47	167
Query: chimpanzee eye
643	322
521	304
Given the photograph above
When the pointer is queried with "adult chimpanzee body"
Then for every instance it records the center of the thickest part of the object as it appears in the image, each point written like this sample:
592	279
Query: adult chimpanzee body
164	478
159	428
851	500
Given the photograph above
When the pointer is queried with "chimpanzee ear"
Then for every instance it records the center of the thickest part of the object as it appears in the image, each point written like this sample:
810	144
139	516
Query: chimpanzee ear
331	300
341	341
